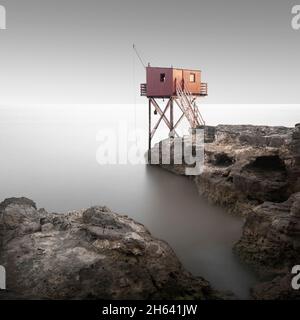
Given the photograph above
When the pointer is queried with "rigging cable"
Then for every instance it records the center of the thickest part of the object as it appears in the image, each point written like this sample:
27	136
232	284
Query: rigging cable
140	58
134	96
134	93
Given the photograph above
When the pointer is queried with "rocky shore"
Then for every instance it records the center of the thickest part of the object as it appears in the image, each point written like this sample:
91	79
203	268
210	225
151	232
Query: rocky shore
254	171
88	254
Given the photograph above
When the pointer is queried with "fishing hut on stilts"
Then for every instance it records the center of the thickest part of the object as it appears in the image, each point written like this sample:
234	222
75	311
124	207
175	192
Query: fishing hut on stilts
170	88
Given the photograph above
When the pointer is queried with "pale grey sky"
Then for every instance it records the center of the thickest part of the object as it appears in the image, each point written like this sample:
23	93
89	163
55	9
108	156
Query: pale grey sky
81	51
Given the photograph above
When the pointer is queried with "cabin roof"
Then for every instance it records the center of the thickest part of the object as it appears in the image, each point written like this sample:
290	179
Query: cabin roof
174	68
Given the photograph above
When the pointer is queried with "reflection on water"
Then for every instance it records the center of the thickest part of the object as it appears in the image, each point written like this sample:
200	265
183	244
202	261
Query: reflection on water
54	164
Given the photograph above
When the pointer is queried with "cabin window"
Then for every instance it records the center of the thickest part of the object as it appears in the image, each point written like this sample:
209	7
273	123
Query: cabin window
192	77
162	77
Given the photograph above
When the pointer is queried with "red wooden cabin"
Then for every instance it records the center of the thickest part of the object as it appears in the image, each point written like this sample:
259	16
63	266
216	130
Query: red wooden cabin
164	82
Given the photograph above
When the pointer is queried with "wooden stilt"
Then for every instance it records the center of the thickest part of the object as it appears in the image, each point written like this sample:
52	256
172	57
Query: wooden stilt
171	118
150	136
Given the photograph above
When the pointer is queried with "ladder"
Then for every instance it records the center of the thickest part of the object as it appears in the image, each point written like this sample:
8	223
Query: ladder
187	104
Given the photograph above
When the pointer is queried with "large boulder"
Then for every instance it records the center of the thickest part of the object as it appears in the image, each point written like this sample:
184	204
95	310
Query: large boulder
88	254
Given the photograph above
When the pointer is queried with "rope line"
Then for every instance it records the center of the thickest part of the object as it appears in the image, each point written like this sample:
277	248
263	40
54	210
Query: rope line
134	98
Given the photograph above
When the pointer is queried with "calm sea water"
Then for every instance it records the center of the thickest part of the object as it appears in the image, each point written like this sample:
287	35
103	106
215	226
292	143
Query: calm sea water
49	155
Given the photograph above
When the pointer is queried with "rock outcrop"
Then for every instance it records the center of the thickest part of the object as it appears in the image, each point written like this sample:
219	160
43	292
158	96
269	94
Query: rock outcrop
295	147
254	171
88	254
271	236
246	165
271	245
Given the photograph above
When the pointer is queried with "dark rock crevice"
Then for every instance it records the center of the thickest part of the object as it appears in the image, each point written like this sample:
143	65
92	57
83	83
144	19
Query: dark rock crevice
222	160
